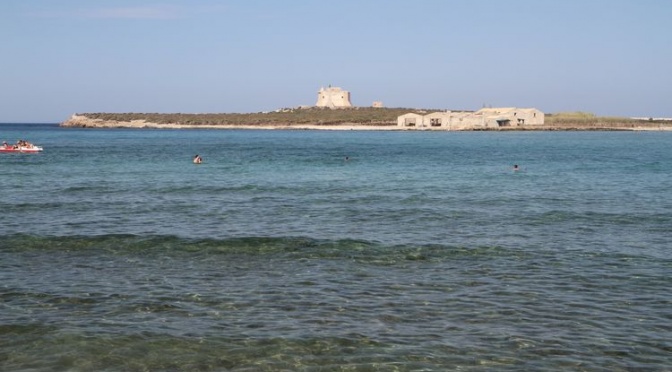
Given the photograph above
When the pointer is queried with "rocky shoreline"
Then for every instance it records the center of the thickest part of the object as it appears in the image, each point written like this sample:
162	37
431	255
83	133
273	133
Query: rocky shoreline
84	121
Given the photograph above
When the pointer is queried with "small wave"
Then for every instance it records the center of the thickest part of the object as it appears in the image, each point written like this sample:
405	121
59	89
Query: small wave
598	218
287	247
87	188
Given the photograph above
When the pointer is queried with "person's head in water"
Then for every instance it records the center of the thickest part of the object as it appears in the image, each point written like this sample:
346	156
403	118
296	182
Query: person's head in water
515	167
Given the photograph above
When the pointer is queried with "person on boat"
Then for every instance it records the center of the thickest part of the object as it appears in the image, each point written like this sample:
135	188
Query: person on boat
198	159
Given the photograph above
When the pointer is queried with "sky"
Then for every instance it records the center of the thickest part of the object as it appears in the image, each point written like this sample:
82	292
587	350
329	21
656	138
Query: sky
607	57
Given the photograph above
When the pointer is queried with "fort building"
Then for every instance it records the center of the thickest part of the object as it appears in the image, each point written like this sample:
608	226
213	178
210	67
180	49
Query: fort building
485	118
333	97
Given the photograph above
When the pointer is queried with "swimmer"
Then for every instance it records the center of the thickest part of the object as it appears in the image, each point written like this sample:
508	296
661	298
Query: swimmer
515	167
198	159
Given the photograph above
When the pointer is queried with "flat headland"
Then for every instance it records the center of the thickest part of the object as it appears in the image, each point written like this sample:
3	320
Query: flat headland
358	118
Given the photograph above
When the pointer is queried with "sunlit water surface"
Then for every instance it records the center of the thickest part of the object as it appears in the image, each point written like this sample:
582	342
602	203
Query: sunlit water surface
422	251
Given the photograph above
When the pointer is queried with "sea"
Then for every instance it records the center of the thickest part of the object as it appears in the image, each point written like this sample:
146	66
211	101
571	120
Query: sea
303	250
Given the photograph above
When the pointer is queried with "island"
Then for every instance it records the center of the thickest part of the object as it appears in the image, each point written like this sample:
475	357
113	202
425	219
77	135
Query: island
361	118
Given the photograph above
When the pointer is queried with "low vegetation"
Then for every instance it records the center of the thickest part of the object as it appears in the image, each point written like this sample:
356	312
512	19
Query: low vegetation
587	120
365	116
313	115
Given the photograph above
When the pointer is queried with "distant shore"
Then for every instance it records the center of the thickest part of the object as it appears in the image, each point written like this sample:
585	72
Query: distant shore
85	122
366	119
351	126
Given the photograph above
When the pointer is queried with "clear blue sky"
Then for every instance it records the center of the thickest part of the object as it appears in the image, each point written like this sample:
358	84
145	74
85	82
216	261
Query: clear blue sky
608	57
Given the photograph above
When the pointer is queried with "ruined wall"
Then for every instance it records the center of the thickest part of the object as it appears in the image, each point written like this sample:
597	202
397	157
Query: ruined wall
486	118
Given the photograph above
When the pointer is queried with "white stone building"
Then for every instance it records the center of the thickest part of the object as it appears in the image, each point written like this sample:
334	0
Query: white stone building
411	120
511	117
486	118
333	97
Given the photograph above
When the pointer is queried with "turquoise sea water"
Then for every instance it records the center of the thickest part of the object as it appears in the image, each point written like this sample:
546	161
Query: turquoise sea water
423	251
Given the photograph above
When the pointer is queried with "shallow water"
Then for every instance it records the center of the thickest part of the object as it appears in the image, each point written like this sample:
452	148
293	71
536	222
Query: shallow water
422	251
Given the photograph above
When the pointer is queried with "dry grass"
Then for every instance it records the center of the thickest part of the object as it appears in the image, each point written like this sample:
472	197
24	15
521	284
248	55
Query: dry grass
586	120
317	116
366	116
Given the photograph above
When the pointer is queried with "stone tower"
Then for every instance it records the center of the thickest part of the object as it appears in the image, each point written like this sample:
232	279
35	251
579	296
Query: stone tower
333	97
